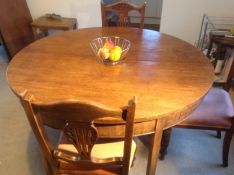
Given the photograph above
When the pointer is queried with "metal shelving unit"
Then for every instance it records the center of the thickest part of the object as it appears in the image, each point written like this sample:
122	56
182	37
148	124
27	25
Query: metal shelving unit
214	24
219	26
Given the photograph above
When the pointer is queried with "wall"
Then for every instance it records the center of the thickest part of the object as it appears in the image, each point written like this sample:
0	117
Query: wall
87	11
152	13
182	18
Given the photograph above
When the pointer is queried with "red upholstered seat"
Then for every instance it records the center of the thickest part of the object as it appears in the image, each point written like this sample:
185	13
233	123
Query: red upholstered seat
216	110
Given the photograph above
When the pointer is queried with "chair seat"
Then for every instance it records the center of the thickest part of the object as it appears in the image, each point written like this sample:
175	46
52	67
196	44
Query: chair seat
215	111
107	152
76	169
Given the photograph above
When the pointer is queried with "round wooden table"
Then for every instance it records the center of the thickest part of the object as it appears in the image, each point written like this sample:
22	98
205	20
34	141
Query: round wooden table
168	76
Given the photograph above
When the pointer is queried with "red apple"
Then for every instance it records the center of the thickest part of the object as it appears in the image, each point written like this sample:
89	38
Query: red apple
109	45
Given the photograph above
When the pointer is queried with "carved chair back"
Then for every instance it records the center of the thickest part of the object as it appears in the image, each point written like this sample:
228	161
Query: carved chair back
122	8
76	119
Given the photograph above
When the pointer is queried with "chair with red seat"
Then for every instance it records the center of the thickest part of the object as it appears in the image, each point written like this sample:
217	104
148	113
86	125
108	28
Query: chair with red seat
215	112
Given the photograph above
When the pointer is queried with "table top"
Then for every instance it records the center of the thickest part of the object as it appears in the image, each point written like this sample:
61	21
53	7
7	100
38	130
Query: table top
166	74
63	23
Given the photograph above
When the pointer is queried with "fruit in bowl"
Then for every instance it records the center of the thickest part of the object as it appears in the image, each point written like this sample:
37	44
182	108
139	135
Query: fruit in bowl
109	45
115	55
103	53
110	49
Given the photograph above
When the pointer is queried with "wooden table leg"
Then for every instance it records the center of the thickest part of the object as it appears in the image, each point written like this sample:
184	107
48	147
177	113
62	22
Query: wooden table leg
155	147
164	143
45	32
75	26
209	48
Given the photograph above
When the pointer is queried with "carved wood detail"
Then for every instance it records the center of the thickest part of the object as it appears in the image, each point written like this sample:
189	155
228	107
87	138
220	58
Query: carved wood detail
83	135
122	9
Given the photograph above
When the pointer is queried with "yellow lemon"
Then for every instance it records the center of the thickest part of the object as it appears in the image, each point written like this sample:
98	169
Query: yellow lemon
118	48
115	55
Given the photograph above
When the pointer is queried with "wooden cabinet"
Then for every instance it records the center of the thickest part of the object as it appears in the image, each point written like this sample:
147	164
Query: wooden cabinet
15	20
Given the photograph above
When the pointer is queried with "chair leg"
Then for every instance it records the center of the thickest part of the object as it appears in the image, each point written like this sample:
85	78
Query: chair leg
49	170
164	143
226	146
46	166
218	134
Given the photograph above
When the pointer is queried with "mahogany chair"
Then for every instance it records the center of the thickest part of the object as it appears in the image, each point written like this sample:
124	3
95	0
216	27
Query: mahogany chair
120	9
79	150
215	112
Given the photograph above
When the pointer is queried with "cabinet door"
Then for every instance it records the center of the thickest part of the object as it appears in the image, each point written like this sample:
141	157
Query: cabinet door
15	25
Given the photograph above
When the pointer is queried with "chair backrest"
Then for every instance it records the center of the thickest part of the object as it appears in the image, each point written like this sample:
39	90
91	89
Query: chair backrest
229	83
230	75
122	8
76	119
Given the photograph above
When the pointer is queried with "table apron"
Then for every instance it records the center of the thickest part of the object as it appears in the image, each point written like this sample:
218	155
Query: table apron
145	127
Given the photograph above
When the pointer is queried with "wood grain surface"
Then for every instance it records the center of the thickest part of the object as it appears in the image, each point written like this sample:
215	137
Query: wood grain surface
167	75
57	24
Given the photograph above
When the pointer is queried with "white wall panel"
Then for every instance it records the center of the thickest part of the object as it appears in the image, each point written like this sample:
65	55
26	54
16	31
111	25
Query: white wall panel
87	12
183	18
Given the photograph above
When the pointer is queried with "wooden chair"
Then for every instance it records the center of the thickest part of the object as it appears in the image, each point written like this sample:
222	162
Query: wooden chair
79	151
120	10
214	113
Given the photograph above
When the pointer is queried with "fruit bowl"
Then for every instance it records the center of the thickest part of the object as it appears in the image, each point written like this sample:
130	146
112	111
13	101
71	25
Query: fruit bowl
111	49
